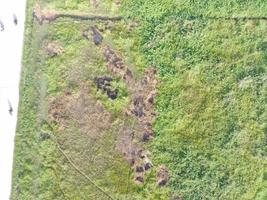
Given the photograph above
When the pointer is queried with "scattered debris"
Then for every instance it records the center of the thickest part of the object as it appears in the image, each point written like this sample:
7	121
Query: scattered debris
139	180
139	169
54	49
115	63
97	37
148	166
147	136
143	100
112	94
163	176
142	106
103	82
136	156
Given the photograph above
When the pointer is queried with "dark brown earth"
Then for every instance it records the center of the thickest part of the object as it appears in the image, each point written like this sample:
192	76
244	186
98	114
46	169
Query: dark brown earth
104	84
97	37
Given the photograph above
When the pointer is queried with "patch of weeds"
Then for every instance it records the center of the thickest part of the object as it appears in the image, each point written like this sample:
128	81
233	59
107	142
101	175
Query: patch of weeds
104	7
128	46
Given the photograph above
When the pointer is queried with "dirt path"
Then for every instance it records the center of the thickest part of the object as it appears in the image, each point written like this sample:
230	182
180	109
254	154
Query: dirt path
51	15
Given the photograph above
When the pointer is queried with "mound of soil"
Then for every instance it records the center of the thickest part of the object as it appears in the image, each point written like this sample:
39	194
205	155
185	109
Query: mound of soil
163	176
97	37
54	49
104	83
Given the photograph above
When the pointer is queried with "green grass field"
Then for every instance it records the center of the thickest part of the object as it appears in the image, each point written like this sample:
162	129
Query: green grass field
211	127
211	105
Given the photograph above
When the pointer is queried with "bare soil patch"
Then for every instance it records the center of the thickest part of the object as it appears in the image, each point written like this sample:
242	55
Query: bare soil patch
81	108
54	48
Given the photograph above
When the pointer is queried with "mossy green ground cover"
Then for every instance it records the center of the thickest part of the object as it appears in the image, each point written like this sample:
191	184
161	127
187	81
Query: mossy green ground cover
211	124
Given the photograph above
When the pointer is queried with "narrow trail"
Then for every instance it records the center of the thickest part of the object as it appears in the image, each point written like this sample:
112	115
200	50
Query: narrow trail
52	15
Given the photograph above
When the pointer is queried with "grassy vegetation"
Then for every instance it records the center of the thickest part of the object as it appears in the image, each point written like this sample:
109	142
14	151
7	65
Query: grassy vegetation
211	124
29	169
40	170
100	8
